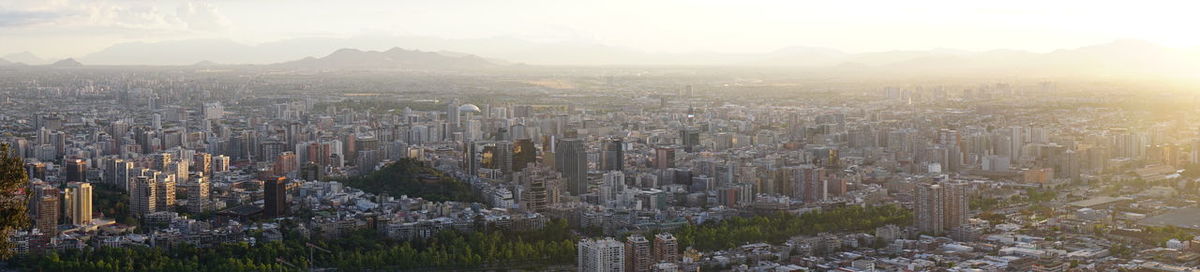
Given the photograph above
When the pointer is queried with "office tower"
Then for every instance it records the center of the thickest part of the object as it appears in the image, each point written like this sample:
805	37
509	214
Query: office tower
78	197
36	170
666	248
603	255
612	156
503	157
275	197
144	197
75	170
470	158
690	139
164	198
664	157
524	153
47	214
58	139
539	187
452	114
940	207
572	163
637	254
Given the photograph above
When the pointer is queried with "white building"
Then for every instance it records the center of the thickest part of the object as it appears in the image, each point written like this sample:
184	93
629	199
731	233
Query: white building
605	255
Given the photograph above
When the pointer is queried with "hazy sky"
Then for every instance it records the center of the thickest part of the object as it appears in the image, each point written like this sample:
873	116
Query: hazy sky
71	28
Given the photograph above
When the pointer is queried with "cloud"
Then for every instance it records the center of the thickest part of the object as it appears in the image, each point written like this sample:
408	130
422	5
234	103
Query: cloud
25	18
201	16
114	15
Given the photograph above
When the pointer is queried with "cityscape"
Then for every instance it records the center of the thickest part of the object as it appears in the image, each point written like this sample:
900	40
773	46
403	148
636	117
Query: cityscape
171	154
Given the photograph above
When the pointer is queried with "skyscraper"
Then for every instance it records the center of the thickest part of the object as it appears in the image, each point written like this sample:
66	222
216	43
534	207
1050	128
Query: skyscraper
116	173
452	114
940	207
160	161
47	214
203	163
164	191
612	156
79	203
604	255
220	164
524	153
637	254
666	248
275	197
143	199
690	138
572	162
75	170
503	157
198	192
664	157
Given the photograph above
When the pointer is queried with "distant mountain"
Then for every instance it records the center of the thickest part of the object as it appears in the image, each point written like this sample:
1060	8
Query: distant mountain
392	59
67	62
1122	57
4	62
206	63
26	57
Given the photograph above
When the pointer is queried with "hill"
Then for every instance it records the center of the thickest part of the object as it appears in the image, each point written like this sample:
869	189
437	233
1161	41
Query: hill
67	62
392	59
414	179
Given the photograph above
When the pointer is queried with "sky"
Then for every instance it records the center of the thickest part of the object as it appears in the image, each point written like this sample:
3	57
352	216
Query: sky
72	28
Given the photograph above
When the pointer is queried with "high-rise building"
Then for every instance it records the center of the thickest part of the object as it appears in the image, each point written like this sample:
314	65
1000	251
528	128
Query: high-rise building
275	197
612	156
539	187
197	194
524	153
116	173
612	185
690	139
602	255
814	184
666	248
503	157
75	170
664	157
220	164
452	114
164	191
940	207
47	214
160	161
202	163
637	254
144	197
571	158
78	198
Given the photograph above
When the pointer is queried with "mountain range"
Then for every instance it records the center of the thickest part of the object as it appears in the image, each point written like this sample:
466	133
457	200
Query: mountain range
1121	57
392	59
